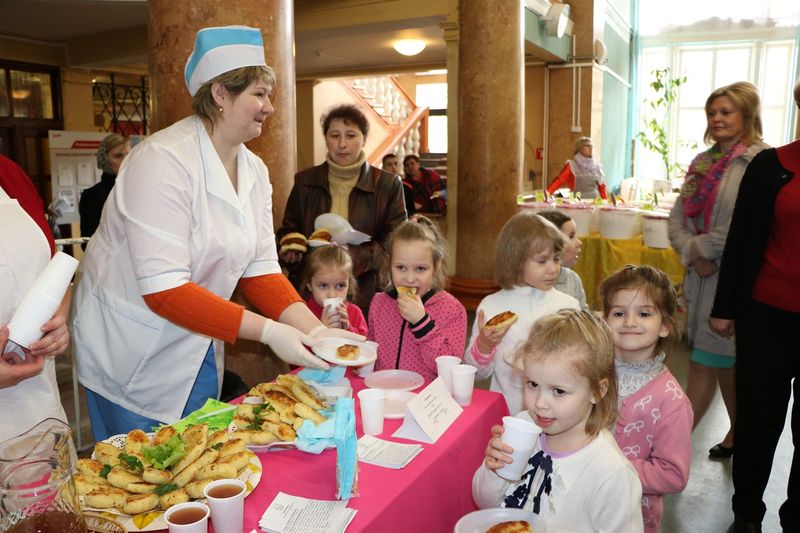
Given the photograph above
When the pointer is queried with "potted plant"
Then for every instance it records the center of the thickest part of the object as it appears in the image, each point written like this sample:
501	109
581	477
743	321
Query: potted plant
655	118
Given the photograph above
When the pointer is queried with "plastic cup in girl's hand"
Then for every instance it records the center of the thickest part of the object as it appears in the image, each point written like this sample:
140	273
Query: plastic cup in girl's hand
332	302
521	435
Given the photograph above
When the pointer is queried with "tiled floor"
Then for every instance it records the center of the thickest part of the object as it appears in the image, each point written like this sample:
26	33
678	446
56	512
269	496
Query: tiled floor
704	507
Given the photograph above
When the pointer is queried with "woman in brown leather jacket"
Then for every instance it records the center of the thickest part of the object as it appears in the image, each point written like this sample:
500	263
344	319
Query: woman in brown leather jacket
346	184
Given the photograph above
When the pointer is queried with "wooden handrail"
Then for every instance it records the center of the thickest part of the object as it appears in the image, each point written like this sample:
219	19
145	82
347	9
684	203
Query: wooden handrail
364	104
418	115
399	88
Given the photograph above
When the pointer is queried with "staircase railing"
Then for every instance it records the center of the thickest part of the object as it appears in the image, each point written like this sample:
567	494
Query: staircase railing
389	104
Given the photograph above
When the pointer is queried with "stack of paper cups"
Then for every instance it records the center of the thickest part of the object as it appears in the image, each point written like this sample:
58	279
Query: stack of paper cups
42	300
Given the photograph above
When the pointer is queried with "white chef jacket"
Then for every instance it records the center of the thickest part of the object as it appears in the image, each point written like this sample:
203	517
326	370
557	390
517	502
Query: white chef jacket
173	217
24	252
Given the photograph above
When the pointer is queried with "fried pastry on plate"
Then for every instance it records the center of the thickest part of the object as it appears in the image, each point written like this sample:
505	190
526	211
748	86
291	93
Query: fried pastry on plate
156	476
106	453
231	447
90	467
175	497
239	460
254	437
140	503
106	497
217	471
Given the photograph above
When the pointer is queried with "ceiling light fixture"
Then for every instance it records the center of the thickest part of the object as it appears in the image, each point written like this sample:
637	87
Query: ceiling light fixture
409	47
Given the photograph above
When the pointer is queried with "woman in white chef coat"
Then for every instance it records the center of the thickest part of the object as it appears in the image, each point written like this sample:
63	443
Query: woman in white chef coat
189	219
28	389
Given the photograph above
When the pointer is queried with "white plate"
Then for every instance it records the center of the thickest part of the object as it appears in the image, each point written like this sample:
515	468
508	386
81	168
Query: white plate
327	346
396	401
333	222
341	230
404	380
154	520
480	521
316	244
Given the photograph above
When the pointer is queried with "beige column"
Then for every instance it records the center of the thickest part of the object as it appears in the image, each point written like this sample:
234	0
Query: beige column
490	137
171	28
451	36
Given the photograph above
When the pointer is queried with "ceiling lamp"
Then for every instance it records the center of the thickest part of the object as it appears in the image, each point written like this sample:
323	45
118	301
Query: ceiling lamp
409	47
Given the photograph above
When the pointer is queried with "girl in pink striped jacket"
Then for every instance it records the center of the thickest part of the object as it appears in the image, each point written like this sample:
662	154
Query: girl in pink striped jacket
424	321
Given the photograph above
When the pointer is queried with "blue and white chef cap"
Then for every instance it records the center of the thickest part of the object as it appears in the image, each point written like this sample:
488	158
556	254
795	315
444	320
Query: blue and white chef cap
220	50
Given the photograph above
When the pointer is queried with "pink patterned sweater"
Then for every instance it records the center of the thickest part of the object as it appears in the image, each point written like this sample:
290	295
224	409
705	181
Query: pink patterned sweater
442	331
654	431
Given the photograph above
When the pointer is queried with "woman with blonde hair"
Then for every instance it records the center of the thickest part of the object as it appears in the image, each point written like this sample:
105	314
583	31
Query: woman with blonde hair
698	227
759	294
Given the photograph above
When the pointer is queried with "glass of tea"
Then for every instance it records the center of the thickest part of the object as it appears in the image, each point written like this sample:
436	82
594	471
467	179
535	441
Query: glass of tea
189	517
226	500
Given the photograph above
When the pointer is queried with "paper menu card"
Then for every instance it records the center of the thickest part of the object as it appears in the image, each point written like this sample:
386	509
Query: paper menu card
429	414
384	453
293	514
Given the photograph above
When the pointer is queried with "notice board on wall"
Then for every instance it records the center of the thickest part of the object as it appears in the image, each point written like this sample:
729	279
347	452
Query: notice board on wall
73	168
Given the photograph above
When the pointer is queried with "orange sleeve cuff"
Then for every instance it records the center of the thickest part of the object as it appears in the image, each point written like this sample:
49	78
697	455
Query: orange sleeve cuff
199	310
271	294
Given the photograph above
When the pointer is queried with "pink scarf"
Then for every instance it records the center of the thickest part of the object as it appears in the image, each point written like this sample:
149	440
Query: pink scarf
702	182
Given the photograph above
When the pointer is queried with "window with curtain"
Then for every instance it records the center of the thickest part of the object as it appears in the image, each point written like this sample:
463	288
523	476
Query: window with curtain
715	43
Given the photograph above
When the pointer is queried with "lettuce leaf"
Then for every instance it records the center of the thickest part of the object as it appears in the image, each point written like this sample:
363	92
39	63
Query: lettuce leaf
162	456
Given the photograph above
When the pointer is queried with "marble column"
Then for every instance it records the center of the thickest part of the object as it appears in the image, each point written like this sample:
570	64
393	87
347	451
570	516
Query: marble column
171	29
490	138
451	35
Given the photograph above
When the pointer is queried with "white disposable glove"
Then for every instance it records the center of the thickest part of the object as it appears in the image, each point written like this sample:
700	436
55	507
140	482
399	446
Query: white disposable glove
321	331
287	342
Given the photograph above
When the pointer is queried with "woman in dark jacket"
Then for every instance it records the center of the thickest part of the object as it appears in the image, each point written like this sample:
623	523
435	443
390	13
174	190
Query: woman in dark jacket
759	293
347	185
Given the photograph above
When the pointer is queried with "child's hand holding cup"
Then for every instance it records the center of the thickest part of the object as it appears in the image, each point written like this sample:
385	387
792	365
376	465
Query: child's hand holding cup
520	435
331	316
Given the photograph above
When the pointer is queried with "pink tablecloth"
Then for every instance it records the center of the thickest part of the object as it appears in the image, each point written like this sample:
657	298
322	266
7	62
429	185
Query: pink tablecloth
428	495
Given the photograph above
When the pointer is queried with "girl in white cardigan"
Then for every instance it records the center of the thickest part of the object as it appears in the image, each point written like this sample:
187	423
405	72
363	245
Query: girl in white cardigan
527	265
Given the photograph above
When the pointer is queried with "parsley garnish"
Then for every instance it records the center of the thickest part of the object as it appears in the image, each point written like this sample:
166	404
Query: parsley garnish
131	462
165	488
104	472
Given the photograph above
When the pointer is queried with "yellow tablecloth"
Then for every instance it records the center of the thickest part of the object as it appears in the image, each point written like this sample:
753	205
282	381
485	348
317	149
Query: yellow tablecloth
602	257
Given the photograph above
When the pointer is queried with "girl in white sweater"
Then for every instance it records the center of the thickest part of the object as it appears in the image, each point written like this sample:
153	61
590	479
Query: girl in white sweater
576	478
527	265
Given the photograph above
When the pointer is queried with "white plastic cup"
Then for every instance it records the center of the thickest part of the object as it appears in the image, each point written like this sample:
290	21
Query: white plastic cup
227	513
332	302
373	405
463	377
41	301
443	366
521	435
200	526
